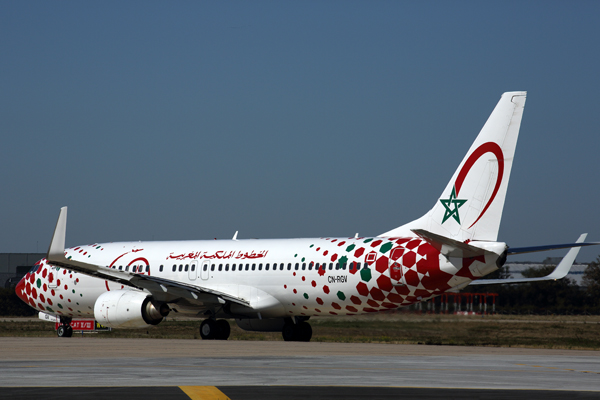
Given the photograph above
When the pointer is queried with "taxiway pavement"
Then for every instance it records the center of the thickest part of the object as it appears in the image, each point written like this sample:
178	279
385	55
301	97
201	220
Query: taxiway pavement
107	362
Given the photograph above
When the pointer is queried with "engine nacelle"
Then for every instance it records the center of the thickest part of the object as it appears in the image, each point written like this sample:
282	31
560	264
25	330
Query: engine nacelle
128	309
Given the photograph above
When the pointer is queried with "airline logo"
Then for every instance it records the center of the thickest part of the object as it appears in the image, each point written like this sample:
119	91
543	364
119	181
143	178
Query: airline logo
453	204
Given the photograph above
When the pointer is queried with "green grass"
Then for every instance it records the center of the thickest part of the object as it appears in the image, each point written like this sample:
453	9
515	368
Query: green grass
528	331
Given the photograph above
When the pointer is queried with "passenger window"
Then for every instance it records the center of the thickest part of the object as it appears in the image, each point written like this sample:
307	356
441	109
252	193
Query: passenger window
233	267
226	267
220	267
127	268
205	267
174	268
193	267
267	267
357	266
160	269
247	267
297	266
260	267
180	267
212	267
187	266
281	267
147	268
289	266
344	266
330	266
253	267
310	265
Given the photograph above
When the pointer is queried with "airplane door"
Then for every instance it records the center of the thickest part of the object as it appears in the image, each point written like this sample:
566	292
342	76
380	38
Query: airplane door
205	270
52	281
193	272
395	266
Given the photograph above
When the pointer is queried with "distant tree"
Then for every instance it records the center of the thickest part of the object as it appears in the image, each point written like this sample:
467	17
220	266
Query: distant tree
591	281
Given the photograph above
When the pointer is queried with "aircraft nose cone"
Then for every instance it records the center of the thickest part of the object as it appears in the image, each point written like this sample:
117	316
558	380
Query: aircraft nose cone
20	290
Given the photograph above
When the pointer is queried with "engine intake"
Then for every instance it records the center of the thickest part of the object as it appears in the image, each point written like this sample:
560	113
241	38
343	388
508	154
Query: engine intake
128	309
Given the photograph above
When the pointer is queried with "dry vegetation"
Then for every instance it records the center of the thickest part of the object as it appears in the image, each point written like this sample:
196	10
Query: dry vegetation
564	332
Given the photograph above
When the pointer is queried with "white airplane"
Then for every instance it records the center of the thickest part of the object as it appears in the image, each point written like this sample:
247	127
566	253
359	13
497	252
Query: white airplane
278	284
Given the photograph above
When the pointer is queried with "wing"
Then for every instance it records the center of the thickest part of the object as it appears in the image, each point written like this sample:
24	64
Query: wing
161	289
561	270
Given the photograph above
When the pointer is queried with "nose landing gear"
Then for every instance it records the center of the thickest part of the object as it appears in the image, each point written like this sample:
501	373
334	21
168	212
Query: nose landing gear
64	329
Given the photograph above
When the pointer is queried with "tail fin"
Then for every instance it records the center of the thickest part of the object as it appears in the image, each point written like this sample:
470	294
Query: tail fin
470	208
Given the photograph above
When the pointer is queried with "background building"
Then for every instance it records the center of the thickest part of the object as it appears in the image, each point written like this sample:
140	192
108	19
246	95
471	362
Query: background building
14	265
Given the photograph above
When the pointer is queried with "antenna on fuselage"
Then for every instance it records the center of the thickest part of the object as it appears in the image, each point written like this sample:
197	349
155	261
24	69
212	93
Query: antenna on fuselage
235	236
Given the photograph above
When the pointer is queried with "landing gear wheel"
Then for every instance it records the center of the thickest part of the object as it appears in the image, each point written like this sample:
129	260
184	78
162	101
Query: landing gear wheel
64	331
300	332
303	332
208	329
288	332
223	329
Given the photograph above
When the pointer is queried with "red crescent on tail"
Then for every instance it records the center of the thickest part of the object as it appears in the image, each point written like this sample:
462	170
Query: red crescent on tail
489	147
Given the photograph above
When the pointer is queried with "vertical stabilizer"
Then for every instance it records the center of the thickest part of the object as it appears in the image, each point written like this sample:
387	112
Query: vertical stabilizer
470	208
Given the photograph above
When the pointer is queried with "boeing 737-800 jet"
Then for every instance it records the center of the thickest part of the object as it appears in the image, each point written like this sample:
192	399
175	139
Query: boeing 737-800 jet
277	285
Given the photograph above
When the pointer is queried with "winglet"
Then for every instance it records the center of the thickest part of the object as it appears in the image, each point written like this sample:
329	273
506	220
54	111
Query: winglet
56	251
562	269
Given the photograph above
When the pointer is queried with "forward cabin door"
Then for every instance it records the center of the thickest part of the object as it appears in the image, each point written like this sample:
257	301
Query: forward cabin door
205	270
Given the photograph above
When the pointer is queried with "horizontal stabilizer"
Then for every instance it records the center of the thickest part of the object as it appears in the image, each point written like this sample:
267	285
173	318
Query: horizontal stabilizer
449	247
561	270
533	249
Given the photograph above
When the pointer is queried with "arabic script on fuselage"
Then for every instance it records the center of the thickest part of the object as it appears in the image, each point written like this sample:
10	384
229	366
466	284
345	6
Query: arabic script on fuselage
219	255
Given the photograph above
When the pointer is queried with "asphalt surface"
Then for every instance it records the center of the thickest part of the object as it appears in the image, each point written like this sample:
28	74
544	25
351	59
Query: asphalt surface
156	368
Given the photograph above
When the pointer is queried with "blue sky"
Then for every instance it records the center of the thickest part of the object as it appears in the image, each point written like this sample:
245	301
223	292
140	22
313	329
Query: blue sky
191	120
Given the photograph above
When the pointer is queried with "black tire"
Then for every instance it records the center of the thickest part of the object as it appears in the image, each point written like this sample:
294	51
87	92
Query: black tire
223	329
289	332
303	332
64	331
208	329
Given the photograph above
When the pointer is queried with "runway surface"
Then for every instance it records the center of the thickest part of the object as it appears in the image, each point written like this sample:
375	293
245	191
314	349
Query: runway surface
243	369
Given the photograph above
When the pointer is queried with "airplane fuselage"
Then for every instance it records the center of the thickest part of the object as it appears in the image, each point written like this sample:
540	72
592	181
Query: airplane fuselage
278	278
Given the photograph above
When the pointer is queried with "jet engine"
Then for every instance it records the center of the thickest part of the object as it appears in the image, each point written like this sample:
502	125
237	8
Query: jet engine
128	309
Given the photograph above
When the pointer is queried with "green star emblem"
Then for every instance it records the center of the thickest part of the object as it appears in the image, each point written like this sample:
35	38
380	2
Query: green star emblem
452	205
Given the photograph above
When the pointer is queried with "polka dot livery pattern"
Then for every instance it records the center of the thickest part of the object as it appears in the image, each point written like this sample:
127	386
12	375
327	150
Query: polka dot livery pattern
421	273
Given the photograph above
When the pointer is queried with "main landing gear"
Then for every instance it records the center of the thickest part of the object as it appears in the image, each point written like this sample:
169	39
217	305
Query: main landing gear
215	329
64	329
296	332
